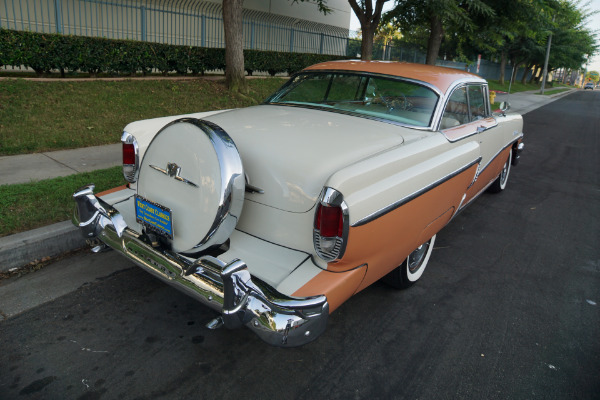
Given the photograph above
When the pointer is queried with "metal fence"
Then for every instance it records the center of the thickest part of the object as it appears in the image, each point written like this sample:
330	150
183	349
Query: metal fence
411	53
178	22
199	23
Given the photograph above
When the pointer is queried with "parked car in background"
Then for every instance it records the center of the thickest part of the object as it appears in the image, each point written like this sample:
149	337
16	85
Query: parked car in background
275	215
589	85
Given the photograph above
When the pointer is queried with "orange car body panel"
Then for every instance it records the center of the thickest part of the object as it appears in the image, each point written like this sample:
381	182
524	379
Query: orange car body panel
337	286
113	190
488	175
385	242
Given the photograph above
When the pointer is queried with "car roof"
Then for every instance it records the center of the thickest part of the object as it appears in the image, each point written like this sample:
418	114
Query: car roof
440	77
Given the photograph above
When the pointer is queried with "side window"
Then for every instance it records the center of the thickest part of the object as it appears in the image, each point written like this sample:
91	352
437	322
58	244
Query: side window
477	102
307	89
457	109
345	88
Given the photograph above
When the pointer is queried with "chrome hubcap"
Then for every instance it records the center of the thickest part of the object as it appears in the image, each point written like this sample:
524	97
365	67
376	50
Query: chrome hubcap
415	259
504	173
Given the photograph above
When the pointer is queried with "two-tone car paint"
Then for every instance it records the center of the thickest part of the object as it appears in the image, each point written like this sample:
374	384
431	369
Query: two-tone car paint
399	184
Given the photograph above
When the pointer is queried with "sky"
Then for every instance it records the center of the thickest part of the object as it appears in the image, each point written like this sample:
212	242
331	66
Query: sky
593	24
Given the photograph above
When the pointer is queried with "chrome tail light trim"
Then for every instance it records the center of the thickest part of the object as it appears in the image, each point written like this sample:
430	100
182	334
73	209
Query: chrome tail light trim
131	171
332	198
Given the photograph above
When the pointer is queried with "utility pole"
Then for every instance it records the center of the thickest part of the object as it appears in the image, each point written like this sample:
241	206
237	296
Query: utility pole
545	74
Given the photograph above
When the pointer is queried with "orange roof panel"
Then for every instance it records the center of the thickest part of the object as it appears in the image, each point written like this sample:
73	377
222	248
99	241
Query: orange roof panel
439	77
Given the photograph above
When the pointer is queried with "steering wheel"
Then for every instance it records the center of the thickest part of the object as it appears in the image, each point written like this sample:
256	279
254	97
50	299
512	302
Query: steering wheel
398	101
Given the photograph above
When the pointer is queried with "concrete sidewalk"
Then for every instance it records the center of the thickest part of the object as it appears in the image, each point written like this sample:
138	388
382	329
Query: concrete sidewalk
524	102
19	249
36	167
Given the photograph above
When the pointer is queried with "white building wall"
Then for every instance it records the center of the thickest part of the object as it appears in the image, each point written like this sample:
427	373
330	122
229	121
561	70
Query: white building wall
278	25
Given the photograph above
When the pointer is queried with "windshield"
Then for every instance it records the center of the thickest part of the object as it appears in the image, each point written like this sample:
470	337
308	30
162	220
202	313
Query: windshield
394	100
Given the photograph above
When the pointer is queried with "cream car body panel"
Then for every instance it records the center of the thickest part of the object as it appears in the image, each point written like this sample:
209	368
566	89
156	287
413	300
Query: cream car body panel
378	182
145	130
326	142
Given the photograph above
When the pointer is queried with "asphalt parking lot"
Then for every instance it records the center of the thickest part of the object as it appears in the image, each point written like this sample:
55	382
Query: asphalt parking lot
507	309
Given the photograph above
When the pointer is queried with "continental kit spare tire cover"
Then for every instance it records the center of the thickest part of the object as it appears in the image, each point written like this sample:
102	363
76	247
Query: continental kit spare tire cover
192	168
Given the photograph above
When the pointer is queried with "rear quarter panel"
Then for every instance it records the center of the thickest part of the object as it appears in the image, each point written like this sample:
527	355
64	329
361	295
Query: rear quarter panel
399	199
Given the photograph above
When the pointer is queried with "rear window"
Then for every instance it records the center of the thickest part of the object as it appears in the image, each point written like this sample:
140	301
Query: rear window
395	100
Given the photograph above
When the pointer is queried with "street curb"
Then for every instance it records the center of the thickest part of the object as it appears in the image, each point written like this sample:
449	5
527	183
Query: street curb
561	94
21	248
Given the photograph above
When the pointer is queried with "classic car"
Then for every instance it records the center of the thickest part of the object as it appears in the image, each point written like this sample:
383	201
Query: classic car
274	215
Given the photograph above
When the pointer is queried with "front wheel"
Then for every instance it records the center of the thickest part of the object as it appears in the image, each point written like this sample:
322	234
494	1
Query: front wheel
407	273
500	182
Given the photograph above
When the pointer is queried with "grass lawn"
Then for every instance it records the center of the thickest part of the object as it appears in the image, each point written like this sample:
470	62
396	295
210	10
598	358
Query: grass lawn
554	91
517	86
43	116
32	205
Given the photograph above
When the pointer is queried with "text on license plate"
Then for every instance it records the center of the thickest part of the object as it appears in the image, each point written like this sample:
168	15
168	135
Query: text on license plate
154	216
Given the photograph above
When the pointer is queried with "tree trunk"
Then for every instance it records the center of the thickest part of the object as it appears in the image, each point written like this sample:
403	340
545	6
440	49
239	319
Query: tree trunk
435	40
525	72
369	20
513	76
502	67
366	46
234	46
533	74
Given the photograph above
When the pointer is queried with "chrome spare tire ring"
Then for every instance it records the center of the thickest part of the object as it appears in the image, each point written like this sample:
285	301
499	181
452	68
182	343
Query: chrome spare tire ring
193	167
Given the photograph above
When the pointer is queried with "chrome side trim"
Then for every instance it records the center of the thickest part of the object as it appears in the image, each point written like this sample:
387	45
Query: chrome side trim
481	169
459	207
401	202
479	129
228	288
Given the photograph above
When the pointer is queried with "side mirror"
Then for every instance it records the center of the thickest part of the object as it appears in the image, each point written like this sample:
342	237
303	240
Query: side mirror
501	111
504	106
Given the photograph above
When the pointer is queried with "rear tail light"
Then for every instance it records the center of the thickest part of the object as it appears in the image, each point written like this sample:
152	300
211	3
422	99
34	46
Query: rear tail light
130	157
330	231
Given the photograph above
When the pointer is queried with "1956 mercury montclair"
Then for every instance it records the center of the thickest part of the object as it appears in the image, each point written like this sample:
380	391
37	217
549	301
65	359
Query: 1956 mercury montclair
276	214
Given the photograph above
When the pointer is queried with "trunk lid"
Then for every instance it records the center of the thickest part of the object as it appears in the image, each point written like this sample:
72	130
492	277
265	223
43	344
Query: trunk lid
290	152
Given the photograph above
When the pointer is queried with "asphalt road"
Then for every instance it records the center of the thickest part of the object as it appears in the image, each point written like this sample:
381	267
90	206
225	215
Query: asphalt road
507	309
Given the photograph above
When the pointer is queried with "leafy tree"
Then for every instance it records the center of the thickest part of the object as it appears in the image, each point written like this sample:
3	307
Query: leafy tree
518	31
386	34
438	17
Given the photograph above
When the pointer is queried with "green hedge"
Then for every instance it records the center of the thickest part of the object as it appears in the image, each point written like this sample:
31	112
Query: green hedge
44	52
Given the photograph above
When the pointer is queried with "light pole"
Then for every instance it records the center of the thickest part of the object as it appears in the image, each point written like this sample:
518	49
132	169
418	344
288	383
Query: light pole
545	74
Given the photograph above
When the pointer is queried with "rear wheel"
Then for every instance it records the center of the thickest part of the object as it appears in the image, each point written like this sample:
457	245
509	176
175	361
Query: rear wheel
500	183
407	273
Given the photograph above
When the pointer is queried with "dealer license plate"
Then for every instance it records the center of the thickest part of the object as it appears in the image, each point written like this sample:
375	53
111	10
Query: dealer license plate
153	216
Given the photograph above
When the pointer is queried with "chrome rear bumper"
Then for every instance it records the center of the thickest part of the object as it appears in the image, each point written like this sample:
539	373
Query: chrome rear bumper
228	288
